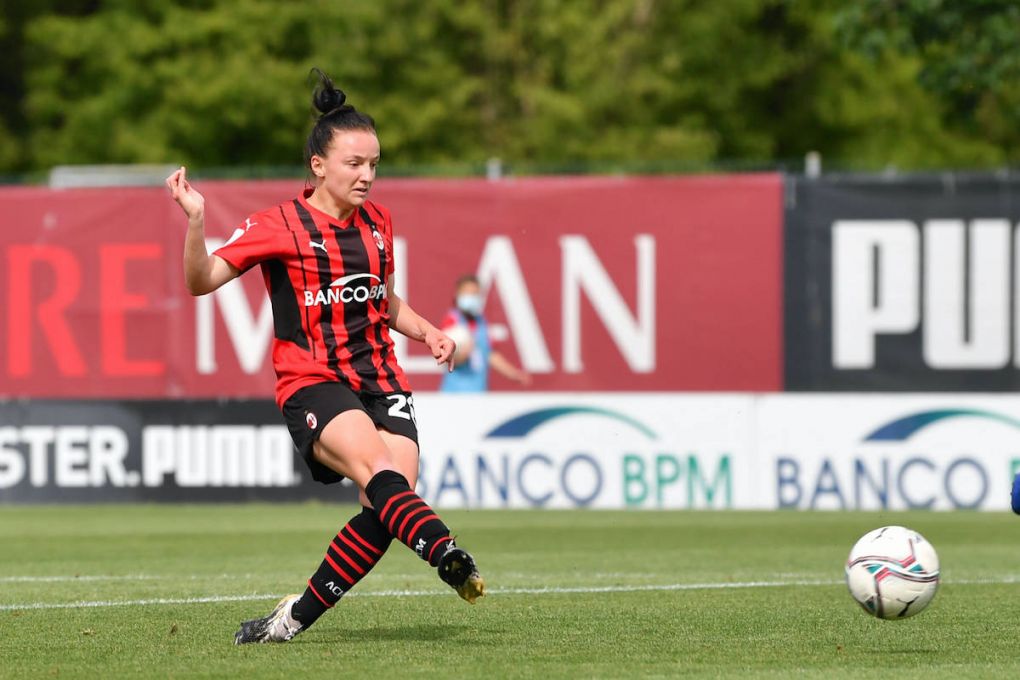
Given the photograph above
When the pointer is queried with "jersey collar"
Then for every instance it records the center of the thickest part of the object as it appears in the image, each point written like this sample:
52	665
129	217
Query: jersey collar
326	217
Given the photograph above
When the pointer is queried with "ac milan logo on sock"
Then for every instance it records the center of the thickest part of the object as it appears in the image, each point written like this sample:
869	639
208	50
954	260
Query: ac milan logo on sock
311	420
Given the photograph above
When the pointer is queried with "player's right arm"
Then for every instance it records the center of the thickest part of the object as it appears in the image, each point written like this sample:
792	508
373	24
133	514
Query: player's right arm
203	273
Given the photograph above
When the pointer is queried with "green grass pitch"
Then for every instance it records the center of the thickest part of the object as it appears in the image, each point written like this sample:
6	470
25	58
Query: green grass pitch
158	591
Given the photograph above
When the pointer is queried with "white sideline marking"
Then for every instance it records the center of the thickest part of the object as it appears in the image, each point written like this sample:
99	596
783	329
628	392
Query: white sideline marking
130	603
123	577
416	593
210	577
59	579
494	591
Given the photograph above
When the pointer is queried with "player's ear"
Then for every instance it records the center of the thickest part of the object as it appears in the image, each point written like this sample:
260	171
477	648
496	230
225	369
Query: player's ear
318	166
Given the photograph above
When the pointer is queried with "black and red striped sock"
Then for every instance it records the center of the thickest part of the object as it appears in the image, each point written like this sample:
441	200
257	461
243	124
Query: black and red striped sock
351	555
406	516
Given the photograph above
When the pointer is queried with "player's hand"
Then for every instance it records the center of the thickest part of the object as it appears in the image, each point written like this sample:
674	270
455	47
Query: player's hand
441	346
191	202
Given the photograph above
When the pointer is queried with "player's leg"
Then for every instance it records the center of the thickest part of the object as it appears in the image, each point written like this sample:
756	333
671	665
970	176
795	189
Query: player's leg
455	565
352	553
351	446
355	549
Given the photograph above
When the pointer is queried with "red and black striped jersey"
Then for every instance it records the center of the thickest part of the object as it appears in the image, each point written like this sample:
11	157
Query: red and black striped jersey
327	282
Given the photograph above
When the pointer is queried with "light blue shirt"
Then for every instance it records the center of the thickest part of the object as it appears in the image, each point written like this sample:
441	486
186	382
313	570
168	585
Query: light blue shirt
472	375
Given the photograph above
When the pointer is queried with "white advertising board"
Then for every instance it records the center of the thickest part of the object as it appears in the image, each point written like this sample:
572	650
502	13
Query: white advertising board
870	452
739	451
616	450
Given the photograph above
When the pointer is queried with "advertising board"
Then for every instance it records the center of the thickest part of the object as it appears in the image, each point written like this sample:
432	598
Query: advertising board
905	284
591	284
551	450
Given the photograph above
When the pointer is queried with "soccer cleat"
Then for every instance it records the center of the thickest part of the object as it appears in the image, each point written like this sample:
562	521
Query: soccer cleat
457	568
278	626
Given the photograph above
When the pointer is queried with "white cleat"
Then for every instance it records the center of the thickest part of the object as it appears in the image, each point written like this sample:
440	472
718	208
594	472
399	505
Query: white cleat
279	626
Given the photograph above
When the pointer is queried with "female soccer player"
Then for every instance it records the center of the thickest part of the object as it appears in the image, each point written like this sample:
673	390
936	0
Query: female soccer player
327	262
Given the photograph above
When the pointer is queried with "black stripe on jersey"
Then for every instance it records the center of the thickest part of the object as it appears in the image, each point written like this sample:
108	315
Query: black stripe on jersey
371	223
325	278
384	348
355	257
304	276
286	315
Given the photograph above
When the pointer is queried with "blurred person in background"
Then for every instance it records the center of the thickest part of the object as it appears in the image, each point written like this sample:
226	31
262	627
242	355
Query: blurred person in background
474	355
327	261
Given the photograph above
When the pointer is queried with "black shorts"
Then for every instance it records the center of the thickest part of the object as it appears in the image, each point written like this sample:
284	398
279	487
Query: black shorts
309	410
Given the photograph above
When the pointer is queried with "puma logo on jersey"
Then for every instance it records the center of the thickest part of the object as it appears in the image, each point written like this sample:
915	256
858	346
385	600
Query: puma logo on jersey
239	232
322	245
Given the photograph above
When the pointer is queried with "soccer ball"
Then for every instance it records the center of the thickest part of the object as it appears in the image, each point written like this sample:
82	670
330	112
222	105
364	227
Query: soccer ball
892	572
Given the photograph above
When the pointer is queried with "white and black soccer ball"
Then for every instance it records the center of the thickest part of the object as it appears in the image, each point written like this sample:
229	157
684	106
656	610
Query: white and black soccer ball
893	572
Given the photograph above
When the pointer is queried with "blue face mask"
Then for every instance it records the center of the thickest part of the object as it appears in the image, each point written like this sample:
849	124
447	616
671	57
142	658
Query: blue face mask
470	304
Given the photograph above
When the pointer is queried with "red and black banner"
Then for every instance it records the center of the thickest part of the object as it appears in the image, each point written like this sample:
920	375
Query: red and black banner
592	284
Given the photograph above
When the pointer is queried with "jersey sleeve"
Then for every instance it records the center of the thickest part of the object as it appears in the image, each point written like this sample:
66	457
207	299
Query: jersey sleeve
250	244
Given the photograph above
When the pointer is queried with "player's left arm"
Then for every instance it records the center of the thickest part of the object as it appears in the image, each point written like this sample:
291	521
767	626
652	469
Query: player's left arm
408	322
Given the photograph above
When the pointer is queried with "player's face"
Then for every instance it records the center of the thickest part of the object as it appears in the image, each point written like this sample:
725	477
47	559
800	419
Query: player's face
349	166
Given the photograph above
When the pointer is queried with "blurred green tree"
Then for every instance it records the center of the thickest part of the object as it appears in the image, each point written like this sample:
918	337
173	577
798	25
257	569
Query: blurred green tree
610	84
8	145
14	16
968	54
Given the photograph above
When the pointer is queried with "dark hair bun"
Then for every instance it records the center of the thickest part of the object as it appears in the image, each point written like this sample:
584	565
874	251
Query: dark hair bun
334	115
326	97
